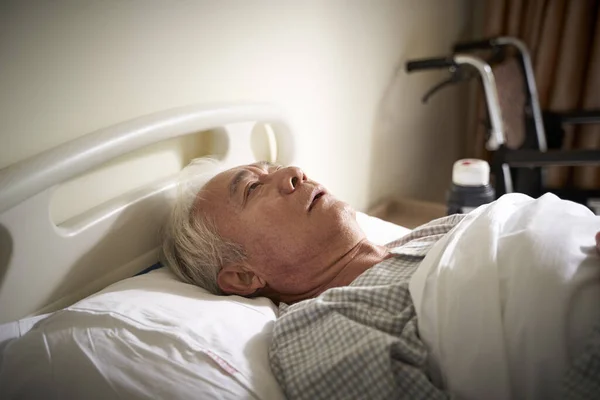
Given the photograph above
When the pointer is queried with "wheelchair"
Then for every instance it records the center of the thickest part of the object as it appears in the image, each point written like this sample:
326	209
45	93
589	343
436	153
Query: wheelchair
519	155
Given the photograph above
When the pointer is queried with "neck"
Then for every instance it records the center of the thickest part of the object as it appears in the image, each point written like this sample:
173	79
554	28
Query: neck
342	272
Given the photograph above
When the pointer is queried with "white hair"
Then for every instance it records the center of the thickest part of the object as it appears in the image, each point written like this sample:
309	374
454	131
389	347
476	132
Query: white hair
191	245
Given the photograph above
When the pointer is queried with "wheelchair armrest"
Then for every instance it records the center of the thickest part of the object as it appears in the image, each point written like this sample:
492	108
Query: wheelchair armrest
576	117
534	158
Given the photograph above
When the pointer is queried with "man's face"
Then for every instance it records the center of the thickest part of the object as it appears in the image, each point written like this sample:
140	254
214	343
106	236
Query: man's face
290	227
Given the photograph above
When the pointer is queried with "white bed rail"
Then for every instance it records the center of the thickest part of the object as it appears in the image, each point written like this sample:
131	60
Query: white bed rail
28	177
44	267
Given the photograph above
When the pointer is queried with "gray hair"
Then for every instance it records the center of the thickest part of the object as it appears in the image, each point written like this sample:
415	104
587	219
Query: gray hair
191	245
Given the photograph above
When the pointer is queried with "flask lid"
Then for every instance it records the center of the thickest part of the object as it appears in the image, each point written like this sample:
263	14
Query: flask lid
471	172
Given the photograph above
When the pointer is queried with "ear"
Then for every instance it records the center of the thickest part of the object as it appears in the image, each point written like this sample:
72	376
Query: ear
239	279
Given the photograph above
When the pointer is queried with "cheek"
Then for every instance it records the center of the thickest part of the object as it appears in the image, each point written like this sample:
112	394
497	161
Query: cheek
274	243
276	233
277	243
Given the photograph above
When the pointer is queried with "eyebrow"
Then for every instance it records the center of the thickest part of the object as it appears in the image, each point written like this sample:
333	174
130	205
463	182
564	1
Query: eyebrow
243	175
235	182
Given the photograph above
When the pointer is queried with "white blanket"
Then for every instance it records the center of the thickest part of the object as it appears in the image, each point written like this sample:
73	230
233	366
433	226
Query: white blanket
509	297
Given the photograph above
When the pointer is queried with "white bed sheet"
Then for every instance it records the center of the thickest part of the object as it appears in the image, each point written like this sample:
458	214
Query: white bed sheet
509	297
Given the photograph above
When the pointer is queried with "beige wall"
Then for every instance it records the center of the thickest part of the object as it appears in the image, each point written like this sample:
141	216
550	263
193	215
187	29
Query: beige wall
71	67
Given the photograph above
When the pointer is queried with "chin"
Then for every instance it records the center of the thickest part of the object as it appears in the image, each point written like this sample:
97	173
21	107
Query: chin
344	214
338	227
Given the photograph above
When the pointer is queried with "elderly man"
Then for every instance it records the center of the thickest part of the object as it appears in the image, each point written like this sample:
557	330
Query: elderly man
352	330
283	236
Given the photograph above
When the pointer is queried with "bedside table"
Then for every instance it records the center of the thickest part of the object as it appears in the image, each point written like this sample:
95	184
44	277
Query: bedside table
409	213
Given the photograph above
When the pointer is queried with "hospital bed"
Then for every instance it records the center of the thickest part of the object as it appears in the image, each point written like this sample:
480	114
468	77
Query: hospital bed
115	331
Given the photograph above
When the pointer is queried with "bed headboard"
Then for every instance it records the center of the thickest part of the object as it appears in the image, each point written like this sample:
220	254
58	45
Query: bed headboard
45	266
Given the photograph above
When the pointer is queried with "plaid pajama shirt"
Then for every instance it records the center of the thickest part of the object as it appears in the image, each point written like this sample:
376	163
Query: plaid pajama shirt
360	341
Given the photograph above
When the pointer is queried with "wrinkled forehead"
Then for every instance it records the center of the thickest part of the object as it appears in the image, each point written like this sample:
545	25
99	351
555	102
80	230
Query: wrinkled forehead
229	178
218	188
222	179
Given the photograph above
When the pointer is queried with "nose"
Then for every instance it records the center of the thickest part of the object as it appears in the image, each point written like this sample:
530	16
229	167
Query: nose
289	178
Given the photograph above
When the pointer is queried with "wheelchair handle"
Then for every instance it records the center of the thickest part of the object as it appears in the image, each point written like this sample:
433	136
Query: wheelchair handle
474	45
430	63
501	41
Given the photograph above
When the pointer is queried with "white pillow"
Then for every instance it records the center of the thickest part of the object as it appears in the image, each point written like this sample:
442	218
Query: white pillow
152	336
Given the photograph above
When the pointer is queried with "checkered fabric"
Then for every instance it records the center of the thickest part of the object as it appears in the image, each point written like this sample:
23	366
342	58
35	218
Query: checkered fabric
360	341
582	380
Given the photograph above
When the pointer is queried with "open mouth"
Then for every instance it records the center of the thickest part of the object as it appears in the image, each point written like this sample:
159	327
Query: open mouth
318	195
